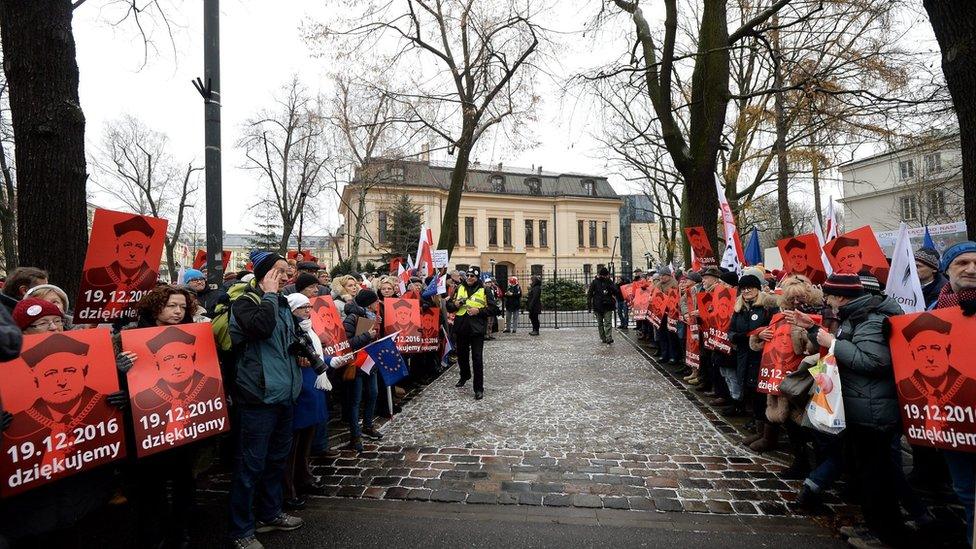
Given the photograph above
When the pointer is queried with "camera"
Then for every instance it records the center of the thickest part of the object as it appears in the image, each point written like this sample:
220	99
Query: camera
300	350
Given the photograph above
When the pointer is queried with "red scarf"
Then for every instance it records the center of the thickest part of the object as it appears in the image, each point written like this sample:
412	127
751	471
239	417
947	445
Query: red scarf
949	298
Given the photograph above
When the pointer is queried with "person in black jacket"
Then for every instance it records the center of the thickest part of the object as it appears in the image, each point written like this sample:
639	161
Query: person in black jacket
602	298
469	306
533	303
753	309
513	302
354	310
927	264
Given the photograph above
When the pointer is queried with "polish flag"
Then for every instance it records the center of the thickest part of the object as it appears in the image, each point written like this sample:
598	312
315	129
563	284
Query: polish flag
728	221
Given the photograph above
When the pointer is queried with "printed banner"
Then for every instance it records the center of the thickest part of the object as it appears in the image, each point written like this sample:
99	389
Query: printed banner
692	335
627	290
673	309
327	324
701	247
62	424
200	260
430	329
175	386
642	302
778	356
659	303
936	378
802	255
121	265
858	252
715	310
403	315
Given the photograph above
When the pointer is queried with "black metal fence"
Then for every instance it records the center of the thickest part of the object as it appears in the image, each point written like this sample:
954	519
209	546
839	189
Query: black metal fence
563	297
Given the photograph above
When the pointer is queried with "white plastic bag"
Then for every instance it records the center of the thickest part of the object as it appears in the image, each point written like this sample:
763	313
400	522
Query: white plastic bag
825	410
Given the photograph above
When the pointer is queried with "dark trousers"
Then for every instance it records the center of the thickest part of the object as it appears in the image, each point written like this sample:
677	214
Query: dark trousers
534	319
470	349
297	474
875	471
161	518
623	313
259	466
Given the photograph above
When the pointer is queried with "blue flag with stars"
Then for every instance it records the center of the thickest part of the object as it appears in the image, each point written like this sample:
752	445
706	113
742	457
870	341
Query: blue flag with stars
384	355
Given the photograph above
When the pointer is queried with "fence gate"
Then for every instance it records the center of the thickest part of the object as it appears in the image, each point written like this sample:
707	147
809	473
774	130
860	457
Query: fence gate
563	298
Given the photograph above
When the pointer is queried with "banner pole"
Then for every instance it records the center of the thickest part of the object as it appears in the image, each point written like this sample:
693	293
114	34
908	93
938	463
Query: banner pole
389	400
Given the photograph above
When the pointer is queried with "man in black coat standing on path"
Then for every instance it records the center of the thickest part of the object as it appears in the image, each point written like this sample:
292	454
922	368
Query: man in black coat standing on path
470	326
533	303
602	299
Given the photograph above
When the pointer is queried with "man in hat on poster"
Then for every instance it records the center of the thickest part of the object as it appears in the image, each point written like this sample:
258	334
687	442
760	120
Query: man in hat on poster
64	402
935	381
180	383
403	319
799	260
850	259
325	315
700	246
129	271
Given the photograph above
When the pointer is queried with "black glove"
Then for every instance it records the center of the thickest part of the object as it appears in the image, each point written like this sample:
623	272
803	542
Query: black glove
118	399
968	307
123	363
5	419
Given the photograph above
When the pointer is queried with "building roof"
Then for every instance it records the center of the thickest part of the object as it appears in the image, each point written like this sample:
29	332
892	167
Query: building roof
857	162
513	180
242	240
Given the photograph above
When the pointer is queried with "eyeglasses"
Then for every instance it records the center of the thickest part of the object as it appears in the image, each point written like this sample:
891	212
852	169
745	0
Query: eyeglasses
48	324
303	307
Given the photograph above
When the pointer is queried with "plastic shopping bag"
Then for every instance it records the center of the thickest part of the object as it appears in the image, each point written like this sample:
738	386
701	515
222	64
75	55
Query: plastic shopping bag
825	411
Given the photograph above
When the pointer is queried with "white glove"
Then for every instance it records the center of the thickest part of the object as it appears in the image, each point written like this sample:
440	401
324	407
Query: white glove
322	382
340	361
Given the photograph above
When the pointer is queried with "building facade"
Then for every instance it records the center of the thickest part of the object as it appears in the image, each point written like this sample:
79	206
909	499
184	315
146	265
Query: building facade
510	219
919	185
640	236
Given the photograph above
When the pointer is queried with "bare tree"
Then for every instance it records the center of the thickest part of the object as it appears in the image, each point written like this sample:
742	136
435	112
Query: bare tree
287	146
135	168
480	52
8	194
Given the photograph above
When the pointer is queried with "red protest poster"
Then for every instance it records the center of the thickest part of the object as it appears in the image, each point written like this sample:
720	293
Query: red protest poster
403	315
700	246
778	356
936	378
200	260
327	324
801	255
175	386
858	252
121	265
430	321
302	255
627	290
673	309
641	303
62	424
659	304
722	305
692	335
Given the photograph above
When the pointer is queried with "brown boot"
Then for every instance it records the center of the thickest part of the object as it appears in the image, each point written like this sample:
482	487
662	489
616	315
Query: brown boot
769	440
760	425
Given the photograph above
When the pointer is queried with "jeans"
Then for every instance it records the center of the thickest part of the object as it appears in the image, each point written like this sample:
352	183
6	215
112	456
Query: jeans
354	397
604	321
962	469
623	313
731	377
475	347
511	319
534	319
830	456
259	466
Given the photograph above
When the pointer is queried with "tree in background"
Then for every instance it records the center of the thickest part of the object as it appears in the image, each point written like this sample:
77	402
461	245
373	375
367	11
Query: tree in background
267	234
135	168
406	228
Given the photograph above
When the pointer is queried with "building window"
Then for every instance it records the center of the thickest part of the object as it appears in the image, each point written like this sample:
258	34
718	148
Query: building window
606	229
909	208
529	240
579	233
462	267
536	270
534	185
397	173
587	270
937	202
469	231
593	234
589	188
383	232
543	233
906	169
933	163
492	231
507	233
498	183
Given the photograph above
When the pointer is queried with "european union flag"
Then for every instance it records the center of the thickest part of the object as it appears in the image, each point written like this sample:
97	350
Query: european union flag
384	355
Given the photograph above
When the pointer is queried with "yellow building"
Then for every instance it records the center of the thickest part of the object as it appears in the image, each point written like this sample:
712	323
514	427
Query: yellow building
522	220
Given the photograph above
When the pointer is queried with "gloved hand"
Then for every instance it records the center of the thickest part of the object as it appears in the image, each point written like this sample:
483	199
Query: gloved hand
124	361
5	419
118	399
340	361
322	382
968	307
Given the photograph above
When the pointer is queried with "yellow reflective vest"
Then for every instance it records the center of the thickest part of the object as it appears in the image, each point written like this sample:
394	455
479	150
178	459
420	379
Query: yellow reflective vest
476	300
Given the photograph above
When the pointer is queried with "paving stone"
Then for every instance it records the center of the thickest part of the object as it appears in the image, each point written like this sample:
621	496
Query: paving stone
666	504
772	508
450	496
553	500
694	506
525	498
616	503
396	493
641	504
588	501
419	494
715	506
412	482
507	498
744	508
482	497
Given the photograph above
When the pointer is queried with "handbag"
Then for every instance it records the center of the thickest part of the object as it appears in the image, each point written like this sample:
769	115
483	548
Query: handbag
825	410
797	386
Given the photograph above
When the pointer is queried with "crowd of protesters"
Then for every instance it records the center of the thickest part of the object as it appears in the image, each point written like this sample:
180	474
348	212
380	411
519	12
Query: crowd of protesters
851	312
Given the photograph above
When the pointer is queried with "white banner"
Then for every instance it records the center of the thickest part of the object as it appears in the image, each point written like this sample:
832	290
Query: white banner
903	284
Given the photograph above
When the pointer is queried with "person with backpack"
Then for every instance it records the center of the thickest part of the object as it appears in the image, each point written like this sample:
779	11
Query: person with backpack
268	383
602	298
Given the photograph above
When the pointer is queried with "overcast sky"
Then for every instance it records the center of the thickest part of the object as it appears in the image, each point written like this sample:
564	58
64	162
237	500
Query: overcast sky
262	48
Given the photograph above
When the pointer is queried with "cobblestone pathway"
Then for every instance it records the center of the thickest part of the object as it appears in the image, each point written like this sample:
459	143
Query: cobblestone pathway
565	422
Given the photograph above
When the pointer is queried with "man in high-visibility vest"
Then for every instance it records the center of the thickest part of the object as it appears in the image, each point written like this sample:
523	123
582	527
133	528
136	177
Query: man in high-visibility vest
469	304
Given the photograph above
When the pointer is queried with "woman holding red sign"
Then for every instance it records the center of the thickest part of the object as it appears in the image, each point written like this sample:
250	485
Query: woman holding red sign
753	310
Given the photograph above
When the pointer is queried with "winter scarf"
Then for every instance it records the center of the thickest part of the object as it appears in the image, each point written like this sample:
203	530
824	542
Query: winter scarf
965	299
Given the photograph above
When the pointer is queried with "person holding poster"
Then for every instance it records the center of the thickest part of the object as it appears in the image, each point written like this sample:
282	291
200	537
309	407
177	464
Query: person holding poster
753	310
403	316
328	324
687	304
701	247
121	265
668	347
362	306
959	265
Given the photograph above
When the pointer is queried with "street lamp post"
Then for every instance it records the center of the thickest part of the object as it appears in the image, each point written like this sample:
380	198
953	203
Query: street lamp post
209	88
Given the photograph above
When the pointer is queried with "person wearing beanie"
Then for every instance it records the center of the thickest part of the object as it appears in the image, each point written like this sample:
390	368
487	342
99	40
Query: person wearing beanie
268	382
871	284
730	278
869	393
601	298
207	298
36	316
52	293
469	306
927	263
307	285
512	302
362	305
753	310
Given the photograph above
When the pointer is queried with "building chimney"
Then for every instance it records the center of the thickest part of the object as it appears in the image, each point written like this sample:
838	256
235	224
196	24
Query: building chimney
425	152
540	169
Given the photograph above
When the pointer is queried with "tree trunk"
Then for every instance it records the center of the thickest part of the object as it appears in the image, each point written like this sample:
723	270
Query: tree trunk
782	166
8	216
954	23
286	229
357	234
448	237
815	173
49	132
171	260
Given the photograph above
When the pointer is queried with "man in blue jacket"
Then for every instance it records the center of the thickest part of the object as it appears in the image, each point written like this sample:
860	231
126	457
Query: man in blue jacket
268	383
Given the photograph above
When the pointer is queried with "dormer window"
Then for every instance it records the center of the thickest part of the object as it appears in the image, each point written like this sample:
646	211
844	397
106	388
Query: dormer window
497	183
534	185
589	188
397	173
